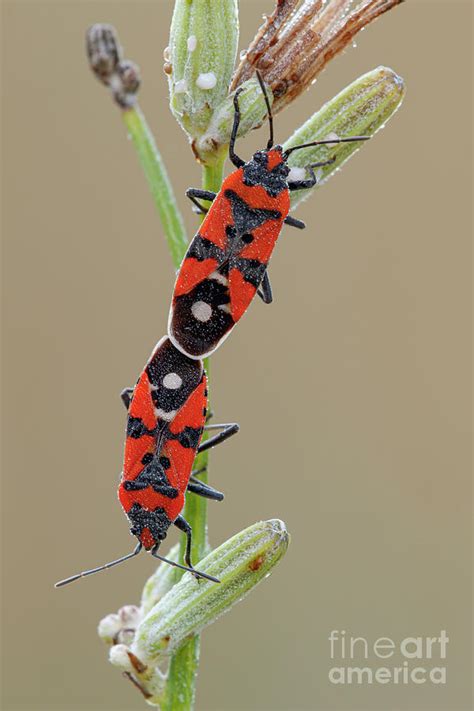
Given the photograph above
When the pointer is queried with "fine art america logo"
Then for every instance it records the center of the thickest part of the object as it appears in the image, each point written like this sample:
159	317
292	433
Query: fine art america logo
412	660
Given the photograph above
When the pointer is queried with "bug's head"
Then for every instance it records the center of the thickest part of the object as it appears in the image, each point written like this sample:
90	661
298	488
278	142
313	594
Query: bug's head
268	169
150	527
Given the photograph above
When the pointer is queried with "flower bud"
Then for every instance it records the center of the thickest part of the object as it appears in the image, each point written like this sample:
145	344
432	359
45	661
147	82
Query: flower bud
119	657
109	627
362	108
130	616
200	60
240	564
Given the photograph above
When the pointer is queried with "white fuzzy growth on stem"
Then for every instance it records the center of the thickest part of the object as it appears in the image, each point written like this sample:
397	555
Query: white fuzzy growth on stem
206	81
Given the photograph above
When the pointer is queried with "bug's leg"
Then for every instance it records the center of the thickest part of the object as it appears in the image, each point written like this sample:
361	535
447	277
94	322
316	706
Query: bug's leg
211	493
208	492
238	162
304	184
194	194
265	291
228	430
293	222
312	181
184	526
126	396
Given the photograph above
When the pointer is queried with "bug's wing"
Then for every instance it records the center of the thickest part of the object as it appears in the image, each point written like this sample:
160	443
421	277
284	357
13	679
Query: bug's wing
141	422
181	446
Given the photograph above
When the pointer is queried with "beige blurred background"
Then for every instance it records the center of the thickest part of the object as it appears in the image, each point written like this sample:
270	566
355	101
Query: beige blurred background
352	390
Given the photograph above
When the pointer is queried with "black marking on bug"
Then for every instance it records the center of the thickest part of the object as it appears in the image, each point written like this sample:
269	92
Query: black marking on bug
152	475
147	458
188	437
165	462
156	521
231	232
202	248
136	428
247	218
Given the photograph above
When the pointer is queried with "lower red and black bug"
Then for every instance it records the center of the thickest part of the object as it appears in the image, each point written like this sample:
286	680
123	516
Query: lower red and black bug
167	413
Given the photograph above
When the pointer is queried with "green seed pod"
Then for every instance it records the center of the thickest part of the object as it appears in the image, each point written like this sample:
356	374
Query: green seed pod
240	563
363	108
200	60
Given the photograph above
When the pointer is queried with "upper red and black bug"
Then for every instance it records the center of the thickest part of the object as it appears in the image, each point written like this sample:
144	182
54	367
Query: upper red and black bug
226	262
167	412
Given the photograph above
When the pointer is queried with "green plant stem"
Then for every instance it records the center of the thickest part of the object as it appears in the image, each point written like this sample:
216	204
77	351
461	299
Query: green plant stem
181	683
161	189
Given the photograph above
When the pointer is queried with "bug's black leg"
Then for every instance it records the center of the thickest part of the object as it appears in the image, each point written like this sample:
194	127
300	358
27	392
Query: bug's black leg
238	162
126	396
184	526
305	184
229	430
212	493
208	492
265	291
194	194
293	222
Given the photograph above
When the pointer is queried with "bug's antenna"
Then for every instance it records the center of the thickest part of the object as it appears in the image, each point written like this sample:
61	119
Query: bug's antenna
269	108
326	142
184	567
66	581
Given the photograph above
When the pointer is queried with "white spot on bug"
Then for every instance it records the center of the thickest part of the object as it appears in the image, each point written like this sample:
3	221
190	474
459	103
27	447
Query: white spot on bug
172	381
331	137
296	174
192	43
206	81
225	308
181	86
201	311
168	416
216	276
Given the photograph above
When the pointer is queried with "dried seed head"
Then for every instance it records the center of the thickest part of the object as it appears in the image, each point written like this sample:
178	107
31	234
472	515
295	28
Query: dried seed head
103	50
106	61
297	41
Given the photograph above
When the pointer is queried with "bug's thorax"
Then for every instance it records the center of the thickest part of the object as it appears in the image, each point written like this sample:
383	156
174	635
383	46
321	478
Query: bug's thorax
269	170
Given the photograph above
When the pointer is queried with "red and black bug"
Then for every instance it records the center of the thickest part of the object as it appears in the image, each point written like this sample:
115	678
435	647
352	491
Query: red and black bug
226	262
167	412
